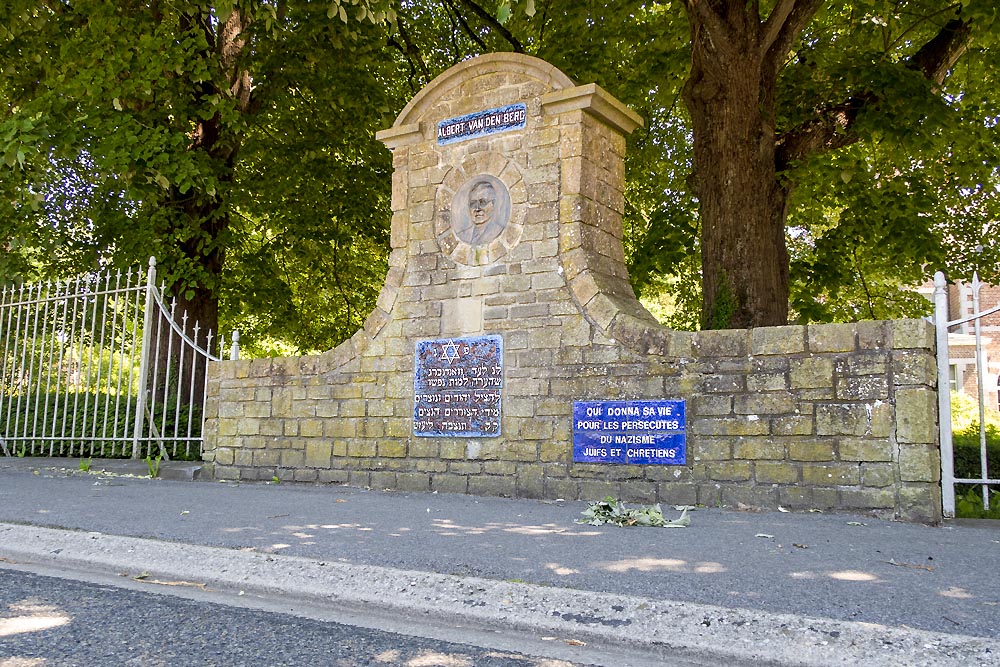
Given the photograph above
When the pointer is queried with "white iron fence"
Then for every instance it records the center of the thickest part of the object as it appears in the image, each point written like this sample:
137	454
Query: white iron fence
99	366
948	479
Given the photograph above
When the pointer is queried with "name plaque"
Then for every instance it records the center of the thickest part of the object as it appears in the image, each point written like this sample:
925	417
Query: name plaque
630	432
457	387
481	123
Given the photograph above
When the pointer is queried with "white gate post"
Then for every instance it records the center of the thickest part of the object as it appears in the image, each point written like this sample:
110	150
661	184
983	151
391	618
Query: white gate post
147	333
944	396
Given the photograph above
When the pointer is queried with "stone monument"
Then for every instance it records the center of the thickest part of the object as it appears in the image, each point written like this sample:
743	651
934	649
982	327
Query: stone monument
508	355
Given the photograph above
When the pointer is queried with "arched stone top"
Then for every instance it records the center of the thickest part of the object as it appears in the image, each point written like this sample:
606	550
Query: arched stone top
517	63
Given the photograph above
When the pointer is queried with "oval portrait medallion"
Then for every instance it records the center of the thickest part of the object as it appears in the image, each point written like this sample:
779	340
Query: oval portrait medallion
480	210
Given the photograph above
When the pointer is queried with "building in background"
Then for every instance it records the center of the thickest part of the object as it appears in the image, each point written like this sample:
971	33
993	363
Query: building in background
962	362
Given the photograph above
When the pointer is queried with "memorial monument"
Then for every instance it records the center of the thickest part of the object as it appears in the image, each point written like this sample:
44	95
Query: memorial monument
508	355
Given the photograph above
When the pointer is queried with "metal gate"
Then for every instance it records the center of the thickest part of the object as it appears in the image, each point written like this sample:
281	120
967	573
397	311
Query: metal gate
948	479
100	366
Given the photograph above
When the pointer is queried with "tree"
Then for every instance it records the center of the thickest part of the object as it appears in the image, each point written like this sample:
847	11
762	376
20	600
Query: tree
152	104
234	140
777	95
746	152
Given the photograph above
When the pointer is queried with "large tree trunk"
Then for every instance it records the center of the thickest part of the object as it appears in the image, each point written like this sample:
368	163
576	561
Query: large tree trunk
730	94
201	224
742	204
736	58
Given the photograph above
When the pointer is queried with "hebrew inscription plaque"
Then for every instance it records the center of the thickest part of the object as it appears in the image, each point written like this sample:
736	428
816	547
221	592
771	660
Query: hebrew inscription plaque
457	387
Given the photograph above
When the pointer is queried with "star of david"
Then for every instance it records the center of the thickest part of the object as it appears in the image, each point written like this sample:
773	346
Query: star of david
449	351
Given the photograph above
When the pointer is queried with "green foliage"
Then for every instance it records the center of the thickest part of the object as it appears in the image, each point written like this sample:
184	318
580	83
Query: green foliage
724	306
613	511
153	465
65	419
969	503
968	456
94	423
967	446
124	131
917	193
85	464
965	413
675	299
122	136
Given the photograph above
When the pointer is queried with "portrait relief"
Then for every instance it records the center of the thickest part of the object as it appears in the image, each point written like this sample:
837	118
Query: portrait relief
480	210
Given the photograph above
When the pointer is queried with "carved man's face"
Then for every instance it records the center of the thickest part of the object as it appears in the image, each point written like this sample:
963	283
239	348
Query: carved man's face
482	204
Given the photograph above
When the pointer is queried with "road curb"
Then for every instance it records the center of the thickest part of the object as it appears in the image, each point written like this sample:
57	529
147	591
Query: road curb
179	471
685	629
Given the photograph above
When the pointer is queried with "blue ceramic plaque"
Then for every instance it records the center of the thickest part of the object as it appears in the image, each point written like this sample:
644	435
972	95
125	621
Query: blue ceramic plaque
457	387
630	432
482	123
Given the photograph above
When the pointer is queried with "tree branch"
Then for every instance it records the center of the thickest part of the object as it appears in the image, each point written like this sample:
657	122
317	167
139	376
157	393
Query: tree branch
775	22
833	127
410	50
779	37
411	78
495	25
718	31
465	26
936	58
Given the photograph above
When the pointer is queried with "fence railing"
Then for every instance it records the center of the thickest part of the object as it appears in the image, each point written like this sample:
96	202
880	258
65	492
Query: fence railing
942	325
100	365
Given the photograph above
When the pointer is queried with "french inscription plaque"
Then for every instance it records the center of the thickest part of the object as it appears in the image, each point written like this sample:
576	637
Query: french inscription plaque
457	387
630	432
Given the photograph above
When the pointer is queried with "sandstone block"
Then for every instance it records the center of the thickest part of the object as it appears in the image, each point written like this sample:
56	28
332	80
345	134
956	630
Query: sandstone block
912	334
877	475
916	415
318	454
730	471
758	382
812	450
292	458
831	337
755	449
867	499
811	373
776	472
919	463
778	340
831	474
858	449
392	449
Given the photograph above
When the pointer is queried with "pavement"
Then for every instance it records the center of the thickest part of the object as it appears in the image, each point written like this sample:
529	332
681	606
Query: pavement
738	587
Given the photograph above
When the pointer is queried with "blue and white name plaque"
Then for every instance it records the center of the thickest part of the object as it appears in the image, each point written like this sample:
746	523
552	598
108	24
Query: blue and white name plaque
630	432
457	387
481	123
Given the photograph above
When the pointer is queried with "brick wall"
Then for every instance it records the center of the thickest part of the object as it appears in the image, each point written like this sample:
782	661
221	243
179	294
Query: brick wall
828	417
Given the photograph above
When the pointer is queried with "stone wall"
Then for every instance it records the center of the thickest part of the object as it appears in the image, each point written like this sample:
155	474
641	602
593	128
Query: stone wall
827	417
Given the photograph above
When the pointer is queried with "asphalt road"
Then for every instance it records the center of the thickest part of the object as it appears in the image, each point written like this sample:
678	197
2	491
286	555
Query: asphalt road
738	588
60	623
842	567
